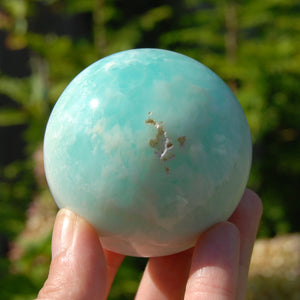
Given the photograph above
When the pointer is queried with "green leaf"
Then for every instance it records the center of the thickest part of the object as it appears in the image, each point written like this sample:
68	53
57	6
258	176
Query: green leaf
11	117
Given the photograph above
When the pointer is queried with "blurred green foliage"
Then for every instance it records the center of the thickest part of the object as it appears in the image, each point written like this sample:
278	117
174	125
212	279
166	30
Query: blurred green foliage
253	45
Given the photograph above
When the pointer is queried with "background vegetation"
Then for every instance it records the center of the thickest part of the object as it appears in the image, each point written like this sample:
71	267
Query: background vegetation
253	45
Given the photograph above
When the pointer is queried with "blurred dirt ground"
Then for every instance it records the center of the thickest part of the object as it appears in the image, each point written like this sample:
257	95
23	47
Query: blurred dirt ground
275	269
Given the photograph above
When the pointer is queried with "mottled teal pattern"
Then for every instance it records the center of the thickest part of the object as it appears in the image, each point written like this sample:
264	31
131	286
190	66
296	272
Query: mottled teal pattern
151	147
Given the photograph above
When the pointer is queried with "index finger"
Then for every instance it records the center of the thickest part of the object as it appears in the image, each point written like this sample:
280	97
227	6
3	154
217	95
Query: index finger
246	218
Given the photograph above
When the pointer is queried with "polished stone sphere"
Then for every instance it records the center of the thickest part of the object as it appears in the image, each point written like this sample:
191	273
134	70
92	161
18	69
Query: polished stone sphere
149	146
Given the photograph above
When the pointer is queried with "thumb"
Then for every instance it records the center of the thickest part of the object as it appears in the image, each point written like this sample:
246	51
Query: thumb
78	266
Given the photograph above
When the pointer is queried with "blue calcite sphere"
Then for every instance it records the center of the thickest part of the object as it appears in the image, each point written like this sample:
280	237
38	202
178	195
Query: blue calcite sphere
151	147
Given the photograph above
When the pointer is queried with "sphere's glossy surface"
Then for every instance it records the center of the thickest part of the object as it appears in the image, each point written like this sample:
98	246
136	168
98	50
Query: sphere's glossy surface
151	147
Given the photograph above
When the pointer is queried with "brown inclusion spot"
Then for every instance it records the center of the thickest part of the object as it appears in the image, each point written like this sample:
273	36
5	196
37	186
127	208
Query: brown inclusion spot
150	121
181	140
159	142
169	145
153	143
162	143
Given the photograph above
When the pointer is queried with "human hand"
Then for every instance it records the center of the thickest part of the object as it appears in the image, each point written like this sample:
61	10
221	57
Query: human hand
216	268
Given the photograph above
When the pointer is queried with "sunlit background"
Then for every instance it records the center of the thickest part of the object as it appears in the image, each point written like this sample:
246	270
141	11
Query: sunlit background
253	45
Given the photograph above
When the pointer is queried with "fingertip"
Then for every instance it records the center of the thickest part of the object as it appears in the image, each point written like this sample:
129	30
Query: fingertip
63	231
223	236
246	218
214	268
78	267
254	201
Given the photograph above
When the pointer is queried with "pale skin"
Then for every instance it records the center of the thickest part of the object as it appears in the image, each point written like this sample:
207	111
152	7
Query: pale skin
216	268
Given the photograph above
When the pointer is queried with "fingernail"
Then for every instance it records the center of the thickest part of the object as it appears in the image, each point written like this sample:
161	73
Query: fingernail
63	231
